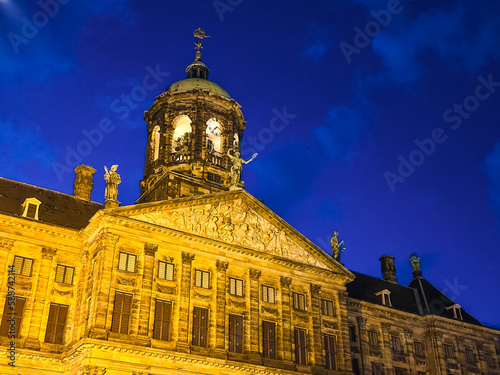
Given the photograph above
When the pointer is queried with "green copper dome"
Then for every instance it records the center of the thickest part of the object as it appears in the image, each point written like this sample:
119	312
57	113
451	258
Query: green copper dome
189	84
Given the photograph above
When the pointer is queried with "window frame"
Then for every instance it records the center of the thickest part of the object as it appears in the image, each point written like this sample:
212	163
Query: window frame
202	279
235	331
327	307
120	321
166	266
299	301
330	351
419	348
23	265
469	355
127	260
162	326
449	351
373	338
65	270
200	331
353	336
233	287
396	345
56	330
300	342
12	309
376	368
268	339
399	370
268	291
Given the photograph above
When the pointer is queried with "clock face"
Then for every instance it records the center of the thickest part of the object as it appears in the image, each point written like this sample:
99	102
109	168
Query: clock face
213	127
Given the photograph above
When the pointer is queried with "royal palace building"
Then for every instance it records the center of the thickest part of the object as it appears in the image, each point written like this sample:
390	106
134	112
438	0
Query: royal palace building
200	277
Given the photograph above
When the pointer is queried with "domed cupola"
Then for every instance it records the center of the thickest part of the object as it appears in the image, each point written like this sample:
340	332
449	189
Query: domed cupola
191	128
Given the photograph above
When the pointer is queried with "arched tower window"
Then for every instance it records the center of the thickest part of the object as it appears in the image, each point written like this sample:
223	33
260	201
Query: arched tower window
155	142
214	132
181	139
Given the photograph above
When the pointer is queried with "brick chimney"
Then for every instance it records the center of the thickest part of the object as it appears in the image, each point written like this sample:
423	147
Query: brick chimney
388	269
84	182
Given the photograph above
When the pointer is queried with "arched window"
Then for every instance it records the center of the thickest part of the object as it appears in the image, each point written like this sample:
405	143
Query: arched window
214	132
181	139
155	142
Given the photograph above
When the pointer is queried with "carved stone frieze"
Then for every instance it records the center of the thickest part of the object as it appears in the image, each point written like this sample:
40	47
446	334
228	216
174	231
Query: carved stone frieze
24	285
315	289
48	253
239	305
187	258
386	327
222	266
267	310
254	274
202	296
301	317
330	324
233	222
150	249
92	370
125	281
6	244
285	281
67	293
166	289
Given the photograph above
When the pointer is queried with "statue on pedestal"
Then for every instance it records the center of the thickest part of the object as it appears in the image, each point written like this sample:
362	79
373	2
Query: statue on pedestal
337	247
112	180
237	167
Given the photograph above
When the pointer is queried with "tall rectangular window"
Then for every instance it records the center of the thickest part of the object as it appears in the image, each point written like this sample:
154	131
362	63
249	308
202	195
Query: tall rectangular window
235	287
449	351
268	294
56	323
299	301
352	334
126	262
330	362
163	318
327	307
376	368
490	361
235	333
300	345
200	326
419	349
355	366
23	266
373	338
469	355
165	271
268	339
396	344
64	274
399	371
13	310
121	312
202	279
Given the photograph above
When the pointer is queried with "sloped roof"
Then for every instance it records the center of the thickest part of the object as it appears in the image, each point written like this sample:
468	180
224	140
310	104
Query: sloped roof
365	287
56	208
435	302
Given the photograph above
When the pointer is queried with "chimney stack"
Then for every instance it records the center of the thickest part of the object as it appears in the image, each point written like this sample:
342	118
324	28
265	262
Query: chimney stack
83	182
415	265
388	269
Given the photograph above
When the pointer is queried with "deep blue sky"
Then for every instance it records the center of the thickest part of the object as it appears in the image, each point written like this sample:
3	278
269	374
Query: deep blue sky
356	108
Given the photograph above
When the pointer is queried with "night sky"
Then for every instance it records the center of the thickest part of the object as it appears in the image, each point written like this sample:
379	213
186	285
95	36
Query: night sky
376	119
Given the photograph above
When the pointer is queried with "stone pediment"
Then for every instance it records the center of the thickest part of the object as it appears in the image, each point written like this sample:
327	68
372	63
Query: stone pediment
239	220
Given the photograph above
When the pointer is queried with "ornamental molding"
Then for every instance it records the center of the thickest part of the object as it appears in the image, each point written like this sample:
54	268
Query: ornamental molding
329	324
92	370
254	274
187	258
222	266
315	289
38	228
48	253
166	289
238	305
125	281
301	317
285	281
202	296
6	243
150	249
66	293
270	311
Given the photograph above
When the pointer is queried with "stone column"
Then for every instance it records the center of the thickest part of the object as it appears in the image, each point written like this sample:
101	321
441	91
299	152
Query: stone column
364	345
344	344
101	293
220	310
316	344
42	285
409	349
147	285
254	334
387	345
184	311
79	314
286	316
436	358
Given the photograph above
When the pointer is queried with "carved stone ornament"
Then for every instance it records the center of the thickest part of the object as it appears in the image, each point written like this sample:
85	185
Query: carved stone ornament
343	298
386	327
303	318
408	333
67	293
254	274
6	244
125	281
285	281
187	258
202	296
233	222
150	249
92	370
329	324
315	289
48	253
266	310
361	322
238	305
222	266
24	285
166	289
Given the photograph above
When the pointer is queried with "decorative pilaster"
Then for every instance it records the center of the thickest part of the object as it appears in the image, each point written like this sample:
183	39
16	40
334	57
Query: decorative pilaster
363	341
33	339
104	265
254	331
147	286
316	322
286	319
185	292
220	334
387	344
344	344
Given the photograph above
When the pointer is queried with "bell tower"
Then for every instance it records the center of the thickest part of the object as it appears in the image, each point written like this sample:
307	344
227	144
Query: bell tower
191	127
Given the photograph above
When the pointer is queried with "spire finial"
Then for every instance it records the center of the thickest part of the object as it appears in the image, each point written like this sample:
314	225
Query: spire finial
200	35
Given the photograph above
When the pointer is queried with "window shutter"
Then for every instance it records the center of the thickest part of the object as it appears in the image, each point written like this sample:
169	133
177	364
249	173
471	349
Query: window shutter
158	318
4	328
131	263
197	281
196	326
115	323
170	271
239	287
68	278
203	327
161	270
19	313
122	262
61	324
167	313
31	212
232	286
271	295
127	304
272	339
59	273
235	333
51	323
18	264
163	311
206	279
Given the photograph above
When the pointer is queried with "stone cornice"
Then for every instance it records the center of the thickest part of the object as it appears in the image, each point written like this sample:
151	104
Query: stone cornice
37	227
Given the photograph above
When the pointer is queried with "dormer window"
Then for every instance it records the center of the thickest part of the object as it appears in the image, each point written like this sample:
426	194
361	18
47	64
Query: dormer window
385	296
457	311
30	208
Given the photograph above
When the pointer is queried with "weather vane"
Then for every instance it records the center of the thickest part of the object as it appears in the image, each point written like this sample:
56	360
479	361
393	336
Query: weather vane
200	35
